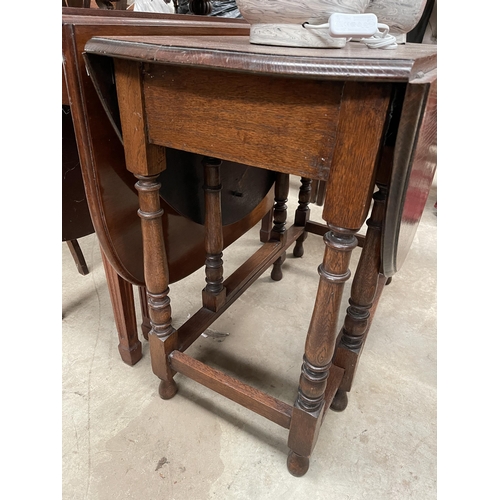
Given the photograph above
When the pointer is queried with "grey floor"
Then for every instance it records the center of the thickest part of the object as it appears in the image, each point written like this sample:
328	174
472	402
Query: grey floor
121	441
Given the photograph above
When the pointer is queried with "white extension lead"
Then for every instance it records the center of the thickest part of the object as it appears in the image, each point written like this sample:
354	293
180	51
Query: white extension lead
358	25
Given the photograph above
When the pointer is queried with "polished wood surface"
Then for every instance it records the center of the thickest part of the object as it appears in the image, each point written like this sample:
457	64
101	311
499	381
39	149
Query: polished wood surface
357	134
407	63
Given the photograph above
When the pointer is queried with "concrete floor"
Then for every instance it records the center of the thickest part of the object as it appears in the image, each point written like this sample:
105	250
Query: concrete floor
121	441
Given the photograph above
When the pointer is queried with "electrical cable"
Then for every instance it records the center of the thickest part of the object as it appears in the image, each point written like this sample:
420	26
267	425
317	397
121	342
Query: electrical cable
381	39
358	25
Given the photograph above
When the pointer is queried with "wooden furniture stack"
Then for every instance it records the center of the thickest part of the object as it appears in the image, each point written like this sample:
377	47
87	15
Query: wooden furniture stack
362	121
109	189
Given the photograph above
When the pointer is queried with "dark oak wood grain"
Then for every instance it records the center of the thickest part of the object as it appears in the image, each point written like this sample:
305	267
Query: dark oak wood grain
190	95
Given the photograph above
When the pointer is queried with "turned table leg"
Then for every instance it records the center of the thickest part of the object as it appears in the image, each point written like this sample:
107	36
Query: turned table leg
163	337
302	214
366	290
214	294
320	341
352	177
146	161
278	232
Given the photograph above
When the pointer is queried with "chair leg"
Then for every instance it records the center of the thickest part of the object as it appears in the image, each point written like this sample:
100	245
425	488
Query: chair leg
266	227
78	257
122	300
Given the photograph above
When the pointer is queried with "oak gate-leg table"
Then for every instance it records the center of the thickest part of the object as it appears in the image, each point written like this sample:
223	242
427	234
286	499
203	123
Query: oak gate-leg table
355	118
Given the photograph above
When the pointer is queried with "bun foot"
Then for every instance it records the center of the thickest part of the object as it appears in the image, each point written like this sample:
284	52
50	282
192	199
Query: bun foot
297	464
167	390
340	401
277	273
